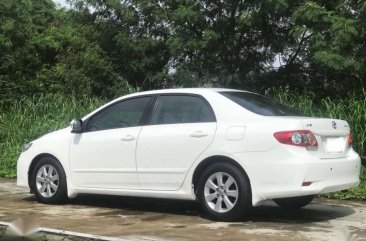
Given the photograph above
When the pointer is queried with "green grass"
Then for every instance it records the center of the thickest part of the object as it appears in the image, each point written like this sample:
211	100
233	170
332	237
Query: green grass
30	118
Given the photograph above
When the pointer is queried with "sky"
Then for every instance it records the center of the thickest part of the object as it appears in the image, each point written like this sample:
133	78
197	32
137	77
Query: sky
62	3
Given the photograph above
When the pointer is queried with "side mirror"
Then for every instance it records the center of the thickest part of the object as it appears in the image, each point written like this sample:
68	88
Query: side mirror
76	126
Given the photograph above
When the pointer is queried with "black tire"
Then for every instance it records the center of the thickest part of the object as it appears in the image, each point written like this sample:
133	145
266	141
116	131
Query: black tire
60	194
243	201
294	202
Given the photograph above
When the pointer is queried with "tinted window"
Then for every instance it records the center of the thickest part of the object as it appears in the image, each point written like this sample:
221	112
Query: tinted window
127	113
206	114
259	104
181	109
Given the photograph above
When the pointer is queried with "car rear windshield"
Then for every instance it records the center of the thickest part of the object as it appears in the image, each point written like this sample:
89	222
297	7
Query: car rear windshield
259	104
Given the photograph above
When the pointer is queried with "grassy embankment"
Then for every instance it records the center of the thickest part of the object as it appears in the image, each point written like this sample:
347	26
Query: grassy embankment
30	118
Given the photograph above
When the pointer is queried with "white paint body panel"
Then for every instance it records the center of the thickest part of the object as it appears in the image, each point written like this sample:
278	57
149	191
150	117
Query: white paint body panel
166	152
108	155
161	159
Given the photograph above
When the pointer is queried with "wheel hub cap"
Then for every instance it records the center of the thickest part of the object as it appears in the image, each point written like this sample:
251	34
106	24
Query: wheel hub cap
221	192
47	181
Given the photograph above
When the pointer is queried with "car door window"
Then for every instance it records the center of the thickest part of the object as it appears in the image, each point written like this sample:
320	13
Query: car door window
123	114
181	109
206	114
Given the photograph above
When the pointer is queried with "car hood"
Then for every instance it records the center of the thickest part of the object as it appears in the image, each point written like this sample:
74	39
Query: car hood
54	134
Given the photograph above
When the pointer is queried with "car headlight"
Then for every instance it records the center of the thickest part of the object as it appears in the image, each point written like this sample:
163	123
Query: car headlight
26	146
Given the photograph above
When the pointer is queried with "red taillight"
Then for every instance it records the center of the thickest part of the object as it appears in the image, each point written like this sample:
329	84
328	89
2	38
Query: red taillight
349	139
303	138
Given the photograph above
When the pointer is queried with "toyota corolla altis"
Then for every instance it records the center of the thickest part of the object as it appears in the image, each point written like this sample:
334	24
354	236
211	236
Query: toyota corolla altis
228	149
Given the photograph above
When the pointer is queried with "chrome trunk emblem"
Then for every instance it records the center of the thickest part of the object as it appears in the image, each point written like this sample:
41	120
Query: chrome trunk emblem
334	125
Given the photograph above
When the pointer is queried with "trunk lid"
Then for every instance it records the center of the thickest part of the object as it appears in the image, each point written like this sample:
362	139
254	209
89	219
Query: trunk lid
331	134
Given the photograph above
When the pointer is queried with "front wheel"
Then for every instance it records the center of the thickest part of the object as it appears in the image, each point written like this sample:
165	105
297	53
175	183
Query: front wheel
294	202
224	192
49	181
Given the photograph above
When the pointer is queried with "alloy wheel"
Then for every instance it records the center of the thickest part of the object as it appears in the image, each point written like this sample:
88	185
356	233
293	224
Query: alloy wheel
221	192
47	181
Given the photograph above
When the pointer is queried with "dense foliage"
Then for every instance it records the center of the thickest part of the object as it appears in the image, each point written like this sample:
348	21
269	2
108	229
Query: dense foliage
105	47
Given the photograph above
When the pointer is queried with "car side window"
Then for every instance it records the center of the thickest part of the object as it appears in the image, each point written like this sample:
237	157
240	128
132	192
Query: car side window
126	113
181	109
206	114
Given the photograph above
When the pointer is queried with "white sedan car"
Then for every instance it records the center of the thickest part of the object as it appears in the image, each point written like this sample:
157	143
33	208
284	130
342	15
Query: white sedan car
228	149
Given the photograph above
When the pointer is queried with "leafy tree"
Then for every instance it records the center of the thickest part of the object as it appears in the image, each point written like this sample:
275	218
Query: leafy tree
224	43
20	24
107	47
329	51
76	64
129	36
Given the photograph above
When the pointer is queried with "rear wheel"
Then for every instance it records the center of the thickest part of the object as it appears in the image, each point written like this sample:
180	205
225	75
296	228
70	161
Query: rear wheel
224	192
294	202
49	181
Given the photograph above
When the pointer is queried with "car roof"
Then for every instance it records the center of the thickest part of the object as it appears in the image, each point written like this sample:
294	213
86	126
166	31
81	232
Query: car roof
181	90
200	91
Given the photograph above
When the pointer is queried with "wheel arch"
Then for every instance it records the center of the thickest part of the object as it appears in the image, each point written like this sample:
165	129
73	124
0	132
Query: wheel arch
33	164
216	159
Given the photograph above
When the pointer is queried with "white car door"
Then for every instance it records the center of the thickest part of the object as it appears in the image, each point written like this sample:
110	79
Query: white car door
103	155
181	127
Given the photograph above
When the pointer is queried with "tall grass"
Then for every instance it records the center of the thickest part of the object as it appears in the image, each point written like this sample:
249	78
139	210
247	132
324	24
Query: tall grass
30	118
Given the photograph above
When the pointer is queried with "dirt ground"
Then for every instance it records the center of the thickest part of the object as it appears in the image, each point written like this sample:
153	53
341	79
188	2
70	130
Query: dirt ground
158	219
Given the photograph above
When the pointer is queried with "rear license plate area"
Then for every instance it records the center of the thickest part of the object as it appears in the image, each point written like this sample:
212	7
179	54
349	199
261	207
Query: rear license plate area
335	144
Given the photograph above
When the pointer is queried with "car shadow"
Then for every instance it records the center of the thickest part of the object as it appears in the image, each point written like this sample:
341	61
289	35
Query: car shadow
138	205
319	210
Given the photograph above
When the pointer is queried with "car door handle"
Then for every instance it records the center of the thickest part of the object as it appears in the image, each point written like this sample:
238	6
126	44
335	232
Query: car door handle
128	138
198	134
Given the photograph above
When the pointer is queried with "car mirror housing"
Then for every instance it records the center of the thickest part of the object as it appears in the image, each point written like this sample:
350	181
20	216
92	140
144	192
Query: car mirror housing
76	126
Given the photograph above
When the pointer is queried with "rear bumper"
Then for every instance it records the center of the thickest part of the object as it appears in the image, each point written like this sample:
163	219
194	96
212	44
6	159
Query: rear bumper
333	175
281	173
